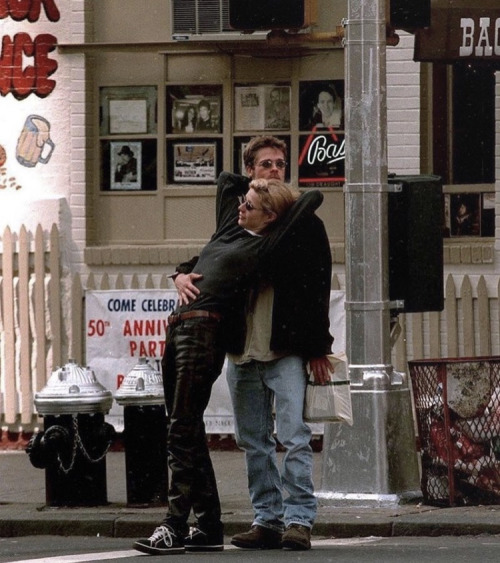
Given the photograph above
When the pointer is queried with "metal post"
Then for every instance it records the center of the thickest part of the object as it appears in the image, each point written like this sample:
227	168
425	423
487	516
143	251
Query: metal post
376	458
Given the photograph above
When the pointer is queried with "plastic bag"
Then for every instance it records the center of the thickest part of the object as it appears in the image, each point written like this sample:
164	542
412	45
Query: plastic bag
330	402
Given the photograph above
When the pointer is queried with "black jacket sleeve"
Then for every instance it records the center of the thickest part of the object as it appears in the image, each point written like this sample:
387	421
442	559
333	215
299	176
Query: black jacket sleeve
187	267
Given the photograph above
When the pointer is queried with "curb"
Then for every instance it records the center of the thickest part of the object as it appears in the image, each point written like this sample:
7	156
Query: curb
121	522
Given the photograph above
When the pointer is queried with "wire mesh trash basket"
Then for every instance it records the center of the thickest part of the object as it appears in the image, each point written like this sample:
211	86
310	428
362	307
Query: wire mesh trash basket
457	403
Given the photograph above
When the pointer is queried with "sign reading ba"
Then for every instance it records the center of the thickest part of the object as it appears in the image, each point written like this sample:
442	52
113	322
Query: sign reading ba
322	158
461	31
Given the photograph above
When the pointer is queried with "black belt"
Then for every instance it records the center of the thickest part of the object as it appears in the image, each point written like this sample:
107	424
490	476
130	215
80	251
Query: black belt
175	319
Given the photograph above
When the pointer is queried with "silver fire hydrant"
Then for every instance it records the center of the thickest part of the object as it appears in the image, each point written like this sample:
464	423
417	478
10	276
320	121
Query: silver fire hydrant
145	435
73	446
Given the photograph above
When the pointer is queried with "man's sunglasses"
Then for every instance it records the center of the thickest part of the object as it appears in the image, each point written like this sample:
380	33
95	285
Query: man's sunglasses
268	163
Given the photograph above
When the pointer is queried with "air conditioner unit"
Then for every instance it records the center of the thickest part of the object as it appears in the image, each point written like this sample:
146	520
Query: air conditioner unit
205	20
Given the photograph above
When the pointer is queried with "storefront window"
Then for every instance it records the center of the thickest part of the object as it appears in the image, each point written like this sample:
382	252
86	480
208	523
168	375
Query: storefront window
473	124
463	117
463	140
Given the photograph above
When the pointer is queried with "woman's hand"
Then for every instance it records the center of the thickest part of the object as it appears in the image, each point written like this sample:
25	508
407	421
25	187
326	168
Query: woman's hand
186	288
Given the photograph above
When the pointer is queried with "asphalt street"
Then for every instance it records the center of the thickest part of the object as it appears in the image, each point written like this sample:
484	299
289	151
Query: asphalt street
445	549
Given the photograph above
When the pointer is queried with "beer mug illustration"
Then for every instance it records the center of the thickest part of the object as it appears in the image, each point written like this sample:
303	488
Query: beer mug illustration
34	144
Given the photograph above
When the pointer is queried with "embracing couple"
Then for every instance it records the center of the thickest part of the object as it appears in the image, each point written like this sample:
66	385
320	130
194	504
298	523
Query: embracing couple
258	293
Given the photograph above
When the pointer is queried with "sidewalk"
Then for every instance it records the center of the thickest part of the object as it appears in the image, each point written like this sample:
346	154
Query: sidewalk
23	511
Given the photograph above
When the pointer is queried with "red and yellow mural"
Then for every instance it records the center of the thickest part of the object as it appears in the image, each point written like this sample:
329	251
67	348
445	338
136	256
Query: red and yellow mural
17	77
28	67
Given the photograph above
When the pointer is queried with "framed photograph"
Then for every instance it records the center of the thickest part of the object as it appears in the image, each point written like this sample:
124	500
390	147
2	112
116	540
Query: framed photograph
126	164
321	105
488	215
447	216
128	116
249	108
128	110
194	109
194	163
129	165
277	104
264	106
464	214
241	152
322	159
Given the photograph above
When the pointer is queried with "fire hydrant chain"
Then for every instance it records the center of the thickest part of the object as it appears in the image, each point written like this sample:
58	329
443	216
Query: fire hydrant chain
77	443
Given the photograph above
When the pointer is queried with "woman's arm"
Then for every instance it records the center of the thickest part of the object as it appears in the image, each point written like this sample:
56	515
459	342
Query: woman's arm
229	187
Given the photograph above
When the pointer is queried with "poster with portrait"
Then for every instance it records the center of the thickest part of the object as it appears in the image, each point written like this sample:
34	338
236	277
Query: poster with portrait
321	104
463	214
195	162
277	107
194	109
126	165
264	106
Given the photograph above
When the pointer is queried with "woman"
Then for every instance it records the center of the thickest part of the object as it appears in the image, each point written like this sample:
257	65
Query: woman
189	122
251	229
328	109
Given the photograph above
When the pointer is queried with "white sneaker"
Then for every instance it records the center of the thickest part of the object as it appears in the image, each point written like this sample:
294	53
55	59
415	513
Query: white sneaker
164	540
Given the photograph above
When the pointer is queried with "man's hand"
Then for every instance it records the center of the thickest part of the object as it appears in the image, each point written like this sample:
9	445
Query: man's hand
186	290
321	369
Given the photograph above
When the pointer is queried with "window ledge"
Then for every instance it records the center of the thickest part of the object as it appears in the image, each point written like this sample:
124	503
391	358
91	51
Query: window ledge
168	254
468	252
454	252
143	255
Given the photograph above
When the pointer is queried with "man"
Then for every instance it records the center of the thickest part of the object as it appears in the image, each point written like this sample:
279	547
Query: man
204	122
126	169
277	111
287	325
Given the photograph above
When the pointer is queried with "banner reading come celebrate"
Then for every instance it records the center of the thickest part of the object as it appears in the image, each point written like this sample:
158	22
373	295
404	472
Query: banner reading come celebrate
125	325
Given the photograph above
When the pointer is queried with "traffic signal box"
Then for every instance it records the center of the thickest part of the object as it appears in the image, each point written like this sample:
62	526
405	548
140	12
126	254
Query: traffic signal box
409	14
416	243
251	15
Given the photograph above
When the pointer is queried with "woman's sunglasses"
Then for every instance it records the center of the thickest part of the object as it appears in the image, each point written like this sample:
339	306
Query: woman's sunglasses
248	206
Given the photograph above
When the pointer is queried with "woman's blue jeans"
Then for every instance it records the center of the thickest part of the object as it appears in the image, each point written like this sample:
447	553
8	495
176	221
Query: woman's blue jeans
279	498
